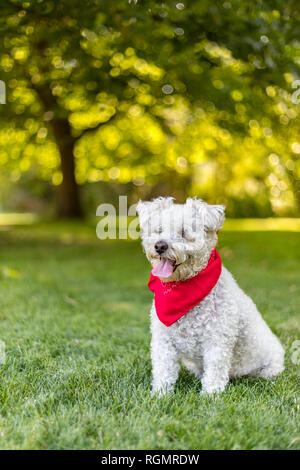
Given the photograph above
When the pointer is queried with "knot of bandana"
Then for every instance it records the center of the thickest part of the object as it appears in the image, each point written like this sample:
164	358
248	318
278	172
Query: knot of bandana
174	299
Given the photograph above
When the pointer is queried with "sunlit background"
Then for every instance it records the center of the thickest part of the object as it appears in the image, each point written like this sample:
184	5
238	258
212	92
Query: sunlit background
144	98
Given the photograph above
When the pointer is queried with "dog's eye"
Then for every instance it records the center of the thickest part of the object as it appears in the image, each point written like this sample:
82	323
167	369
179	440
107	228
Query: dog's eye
182	233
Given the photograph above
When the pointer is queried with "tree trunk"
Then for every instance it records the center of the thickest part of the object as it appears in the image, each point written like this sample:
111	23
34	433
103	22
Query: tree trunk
68	200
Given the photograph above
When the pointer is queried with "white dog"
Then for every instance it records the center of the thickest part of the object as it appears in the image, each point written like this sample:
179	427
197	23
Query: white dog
223	335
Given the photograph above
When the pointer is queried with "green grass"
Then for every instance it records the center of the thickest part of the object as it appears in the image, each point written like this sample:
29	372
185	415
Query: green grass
74	317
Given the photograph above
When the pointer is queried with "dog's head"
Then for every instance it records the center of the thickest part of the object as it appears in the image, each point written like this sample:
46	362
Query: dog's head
178	238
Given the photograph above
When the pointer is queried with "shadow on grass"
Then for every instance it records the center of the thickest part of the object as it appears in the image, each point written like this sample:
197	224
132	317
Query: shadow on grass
187	382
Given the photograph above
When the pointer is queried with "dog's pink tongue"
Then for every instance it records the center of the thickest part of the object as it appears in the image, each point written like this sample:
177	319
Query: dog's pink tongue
163	269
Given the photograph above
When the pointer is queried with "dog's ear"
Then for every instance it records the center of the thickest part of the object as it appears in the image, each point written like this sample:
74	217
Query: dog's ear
146	208
213	216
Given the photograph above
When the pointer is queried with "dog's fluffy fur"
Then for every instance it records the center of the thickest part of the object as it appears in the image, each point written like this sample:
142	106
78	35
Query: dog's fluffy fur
224	336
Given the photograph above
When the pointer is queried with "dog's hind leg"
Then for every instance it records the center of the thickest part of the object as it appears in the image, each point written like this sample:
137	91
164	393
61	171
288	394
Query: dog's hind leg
272	369
270	361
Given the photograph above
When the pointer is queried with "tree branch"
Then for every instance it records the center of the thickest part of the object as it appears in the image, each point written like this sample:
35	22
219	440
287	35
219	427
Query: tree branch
92	129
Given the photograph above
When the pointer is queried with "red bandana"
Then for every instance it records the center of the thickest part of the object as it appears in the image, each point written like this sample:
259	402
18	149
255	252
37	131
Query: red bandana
174	299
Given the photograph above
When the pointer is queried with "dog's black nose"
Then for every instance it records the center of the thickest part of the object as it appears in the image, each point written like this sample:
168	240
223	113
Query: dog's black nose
161	247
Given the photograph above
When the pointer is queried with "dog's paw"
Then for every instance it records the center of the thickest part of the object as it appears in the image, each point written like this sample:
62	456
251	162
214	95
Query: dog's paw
212	391
213	385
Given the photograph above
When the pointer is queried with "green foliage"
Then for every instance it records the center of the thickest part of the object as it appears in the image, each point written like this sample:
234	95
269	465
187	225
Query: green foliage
184	98
77	372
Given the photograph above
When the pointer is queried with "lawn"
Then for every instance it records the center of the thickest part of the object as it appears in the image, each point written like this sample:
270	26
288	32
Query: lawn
75	321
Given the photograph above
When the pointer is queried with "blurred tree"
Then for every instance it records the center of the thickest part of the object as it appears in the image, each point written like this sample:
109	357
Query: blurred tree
131	91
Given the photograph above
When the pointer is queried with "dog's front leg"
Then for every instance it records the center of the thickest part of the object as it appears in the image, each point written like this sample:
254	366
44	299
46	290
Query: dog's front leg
216	364
165	364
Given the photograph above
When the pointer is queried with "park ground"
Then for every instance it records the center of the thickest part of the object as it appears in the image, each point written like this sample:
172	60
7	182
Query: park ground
74	319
